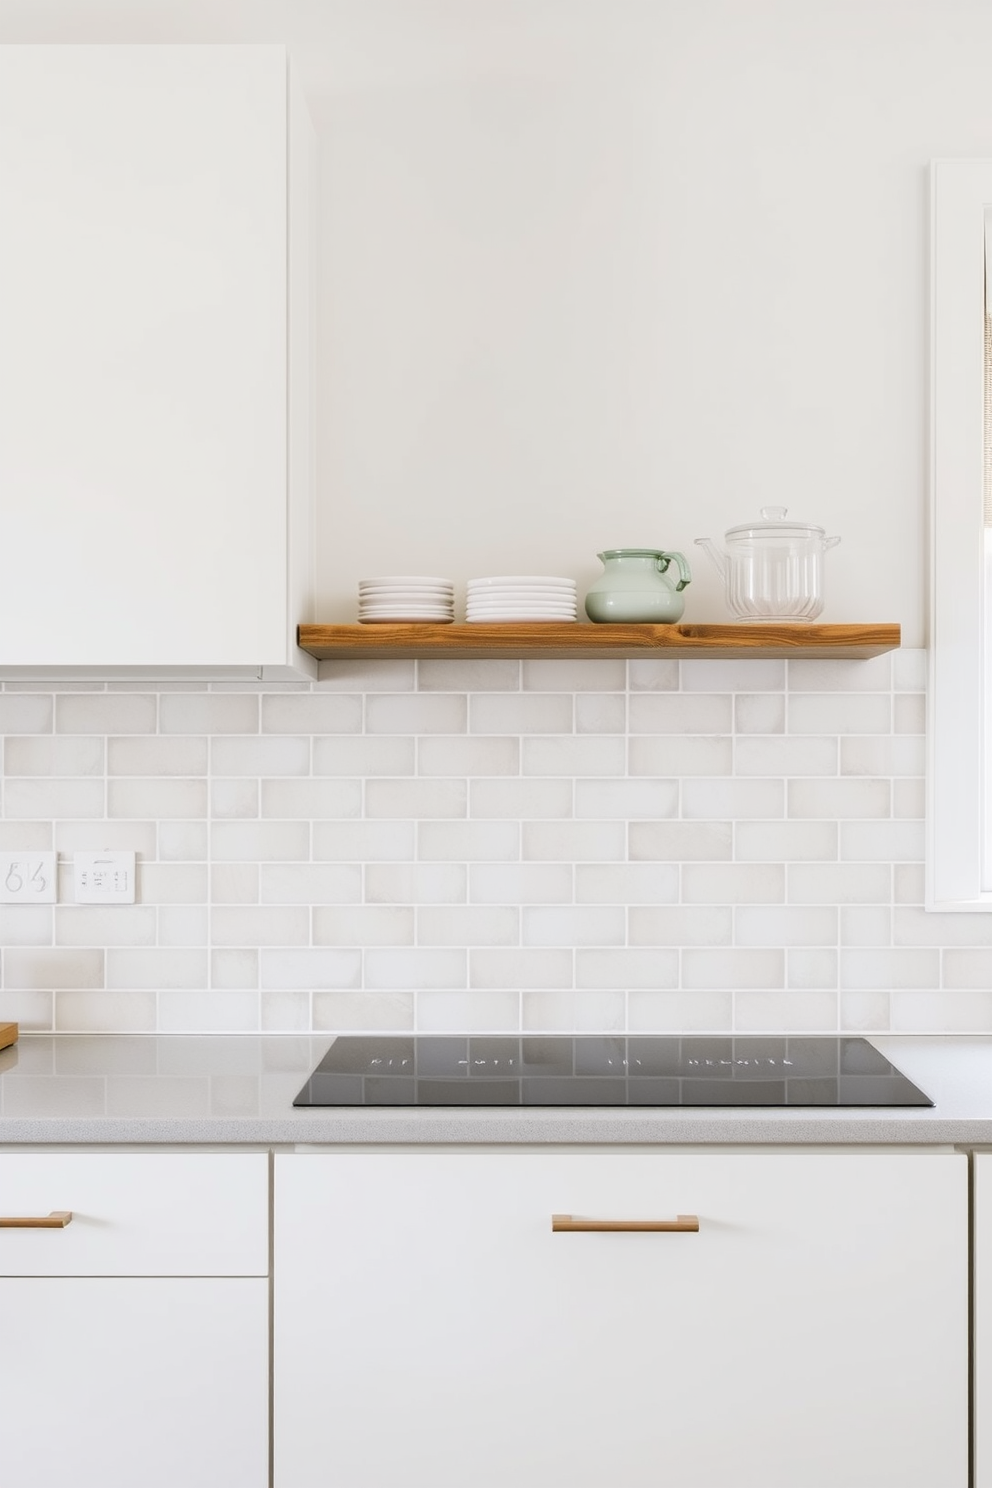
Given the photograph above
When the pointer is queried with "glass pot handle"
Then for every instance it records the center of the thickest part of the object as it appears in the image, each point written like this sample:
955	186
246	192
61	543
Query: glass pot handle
685	577
830	542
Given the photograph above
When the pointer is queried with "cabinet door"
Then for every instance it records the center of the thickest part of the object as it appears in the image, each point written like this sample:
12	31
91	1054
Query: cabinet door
431	1329
143	371
134	1384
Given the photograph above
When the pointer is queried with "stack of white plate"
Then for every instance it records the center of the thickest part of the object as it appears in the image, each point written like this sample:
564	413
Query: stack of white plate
406	599
510	597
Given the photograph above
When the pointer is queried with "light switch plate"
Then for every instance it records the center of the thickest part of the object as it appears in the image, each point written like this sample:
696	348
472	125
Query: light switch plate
104	877
27	878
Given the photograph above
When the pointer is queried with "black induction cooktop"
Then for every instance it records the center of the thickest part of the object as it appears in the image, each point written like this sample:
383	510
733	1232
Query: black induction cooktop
601	1070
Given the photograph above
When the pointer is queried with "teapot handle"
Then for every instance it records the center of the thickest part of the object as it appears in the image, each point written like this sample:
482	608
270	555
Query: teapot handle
685	577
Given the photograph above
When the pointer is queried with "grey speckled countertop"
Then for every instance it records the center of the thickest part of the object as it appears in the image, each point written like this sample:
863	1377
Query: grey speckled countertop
220	1090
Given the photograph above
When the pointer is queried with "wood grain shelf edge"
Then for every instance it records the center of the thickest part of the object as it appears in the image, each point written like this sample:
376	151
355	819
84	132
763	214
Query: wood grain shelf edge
586	642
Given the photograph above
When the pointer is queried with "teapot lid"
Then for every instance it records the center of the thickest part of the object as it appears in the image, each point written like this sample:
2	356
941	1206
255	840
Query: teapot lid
773	524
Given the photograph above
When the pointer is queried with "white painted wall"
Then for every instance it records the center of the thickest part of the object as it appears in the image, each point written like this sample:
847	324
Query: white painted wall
605	272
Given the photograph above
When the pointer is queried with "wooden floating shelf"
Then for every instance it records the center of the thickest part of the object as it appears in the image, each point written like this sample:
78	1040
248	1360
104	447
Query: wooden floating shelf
587	642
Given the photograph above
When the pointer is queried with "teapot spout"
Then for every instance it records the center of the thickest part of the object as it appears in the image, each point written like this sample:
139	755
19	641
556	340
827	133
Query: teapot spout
719	559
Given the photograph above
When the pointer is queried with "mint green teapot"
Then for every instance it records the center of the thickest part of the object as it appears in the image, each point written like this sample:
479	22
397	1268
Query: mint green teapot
636	587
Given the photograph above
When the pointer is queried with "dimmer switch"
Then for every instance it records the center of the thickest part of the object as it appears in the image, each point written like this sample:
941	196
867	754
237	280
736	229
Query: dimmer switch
104	878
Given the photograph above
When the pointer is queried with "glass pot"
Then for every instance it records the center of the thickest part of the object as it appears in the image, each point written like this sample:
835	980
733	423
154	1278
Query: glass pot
772	569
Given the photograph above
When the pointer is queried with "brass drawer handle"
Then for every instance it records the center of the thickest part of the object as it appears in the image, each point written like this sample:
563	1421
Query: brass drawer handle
57	1220
684	1223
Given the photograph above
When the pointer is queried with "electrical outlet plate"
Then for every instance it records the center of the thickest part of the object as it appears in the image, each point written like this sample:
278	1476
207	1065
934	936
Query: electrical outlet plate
27	878
104	877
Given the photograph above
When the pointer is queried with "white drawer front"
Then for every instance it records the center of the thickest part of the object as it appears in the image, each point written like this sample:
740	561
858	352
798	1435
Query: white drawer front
136	1214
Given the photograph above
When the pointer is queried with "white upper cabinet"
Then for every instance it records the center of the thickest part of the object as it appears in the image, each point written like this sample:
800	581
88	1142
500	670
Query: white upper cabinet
155	351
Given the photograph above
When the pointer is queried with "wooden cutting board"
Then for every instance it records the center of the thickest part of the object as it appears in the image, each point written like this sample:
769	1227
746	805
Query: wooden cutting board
8	1034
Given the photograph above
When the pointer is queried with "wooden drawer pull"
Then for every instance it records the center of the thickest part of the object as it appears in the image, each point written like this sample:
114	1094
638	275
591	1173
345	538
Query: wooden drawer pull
57	1220
684	1223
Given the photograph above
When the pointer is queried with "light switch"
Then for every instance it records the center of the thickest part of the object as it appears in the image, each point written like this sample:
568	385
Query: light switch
104	878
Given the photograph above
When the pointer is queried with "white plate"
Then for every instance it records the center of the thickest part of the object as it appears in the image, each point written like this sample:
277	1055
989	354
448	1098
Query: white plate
424	611
405	619
497	615
520	619
519	604
527	580
406	589
494	596
403	581
434	601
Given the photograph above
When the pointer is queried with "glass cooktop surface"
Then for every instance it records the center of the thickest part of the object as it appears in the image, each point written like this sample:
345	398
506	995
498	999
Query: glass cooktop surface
600	1070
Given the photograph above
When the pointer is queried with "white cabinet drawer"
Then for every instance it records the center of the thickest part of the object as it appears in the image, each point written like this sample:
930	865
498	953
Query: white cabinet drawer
135	1214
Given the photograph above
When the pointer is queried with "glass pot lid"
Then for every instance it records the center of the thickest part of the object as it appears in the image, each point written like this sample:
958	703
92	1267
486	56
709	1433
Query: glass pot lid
774	525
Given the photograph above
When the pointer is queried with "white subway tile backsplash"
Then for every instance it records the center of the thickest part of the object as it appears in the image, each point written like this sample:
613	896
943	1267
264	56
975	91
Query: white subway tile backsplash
499	845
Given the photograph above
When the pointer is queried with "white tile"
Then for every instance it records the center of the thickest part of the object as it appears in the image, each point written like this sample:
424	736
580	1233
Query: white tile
912	926
362	841
364	755
679	713
362	925
208	713
258	754
786	841
311	883
680	1012
468	841
311	713
464	925
44	796
260	841
807	967
106	1012
908	883
26	925
839	713
733	968
520	713
889	968
864	1012
785	925
38	968
909	800
608	674
573	1012
673	754
809	799
156	968
759	713
680	925
627	799
376	1012
472	1012
909	714
254	925
234	883
873	674
866	925
178	841
366	676
909	669
182	925
520	883
234	969
676	841
882	754
705	675
600	713
520	798
649	675
154	797
467	754
627	967
966	968
882	841
733	883
235	799
288	1012
208	1012
785	1012
422	799
415	968
626	883
310	969
564	841
571	754
416	883
36	836
180	754
171	883
53	754
313	799
839	883
468	676
104	925
99	713
784	754
941	1012
587	925
419	713
495	968
33	1010
731	799
29	713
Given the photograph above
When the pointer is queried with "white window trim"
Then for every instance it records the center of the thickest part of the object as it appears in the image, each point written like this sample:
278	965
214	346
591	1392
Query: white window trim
961	191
